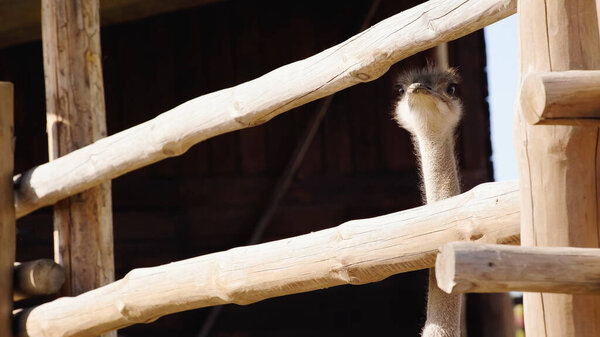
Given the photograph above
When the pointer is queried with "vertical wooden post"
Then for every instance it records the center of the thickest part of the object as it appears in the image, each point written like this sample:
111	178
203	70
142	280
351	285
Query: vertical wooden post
440	55
558	165
7	208
83	242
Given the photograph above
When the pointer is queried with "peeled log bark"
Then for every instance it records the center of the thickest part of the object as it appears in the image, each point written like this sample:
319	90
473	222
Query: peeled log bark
464	267
38	277
362	58
356	252
75	114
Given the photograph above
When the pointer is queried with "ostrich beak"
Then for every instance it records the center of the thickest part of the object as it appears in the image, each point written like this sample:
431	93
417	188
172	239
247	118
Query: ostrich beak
419	88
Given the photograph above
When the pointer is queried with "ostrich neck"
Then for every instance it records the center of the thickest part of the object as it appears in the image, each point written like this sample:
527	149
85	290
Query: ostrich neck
438	166
440	177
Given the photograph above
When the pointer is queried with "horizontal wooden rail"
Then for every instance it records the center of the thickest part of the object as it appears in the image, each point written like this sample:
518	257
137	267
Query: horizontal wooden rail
356	252
482	268
37	277
562	98
362	58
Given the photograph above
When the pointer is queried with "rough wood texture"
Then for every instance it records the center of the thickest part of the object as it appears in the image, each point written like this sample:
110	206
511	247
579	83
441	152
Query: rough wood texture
362	58
7	210
83	237
465	267
38	277
355	252
561	98
20	19
558	165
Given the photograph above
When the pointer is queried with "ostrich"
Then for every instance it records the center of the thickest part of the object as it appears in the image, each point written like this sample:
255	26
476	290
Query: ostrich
428	108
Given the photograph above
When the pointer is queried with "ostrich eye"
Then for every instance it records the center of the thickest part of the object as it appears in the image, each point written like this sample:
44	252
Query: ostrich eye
400	90
451	90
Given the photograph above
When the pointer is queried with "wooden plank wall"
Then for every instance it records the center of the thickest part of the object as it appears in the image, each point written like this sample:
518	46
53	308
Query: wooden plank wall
359	165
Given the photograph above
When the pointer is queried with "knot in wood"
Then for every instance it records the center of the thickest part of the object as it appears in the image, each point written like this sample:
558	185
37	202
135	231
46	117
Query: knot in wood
475	236
363	76
130	312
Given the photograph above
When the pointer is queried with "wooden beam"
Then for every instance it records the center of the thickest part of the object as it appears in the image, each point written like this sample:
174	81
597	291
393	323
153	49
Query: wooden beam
362	58
561	98
558	165
38	277
7	209
356	252
83	235
20	19
465	267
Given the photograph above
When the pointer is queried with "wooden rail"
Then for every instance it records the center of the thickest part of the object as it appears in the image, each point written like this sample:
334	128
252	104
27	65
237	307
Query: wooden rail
35	278
486	268
355	252
364	57
561	98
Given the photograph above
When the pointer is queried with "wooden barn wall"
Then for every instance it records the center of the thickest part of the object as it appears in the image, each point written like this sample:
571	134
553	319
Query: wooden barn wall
359	165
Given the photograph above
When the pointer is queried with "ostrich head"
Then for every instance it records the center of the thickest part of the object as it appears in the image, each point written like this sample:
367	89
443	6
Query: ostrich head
427	104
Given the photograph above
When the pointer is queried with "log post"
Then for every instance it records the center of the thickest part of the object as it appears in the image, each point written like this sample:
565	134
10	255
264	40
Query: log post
558	165
75	118
7	208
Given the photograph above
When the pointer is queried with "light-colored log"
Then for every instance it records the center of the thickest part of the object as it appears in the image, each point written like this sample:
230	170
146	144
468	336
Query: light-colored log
466	267
7	209
83	234
20	19
38	277
361	58
561	98
356	252
558	165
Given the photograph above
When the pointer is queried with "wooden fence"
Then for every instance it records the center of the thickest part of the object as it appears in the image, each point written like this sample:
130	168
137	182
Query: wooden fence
356	252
